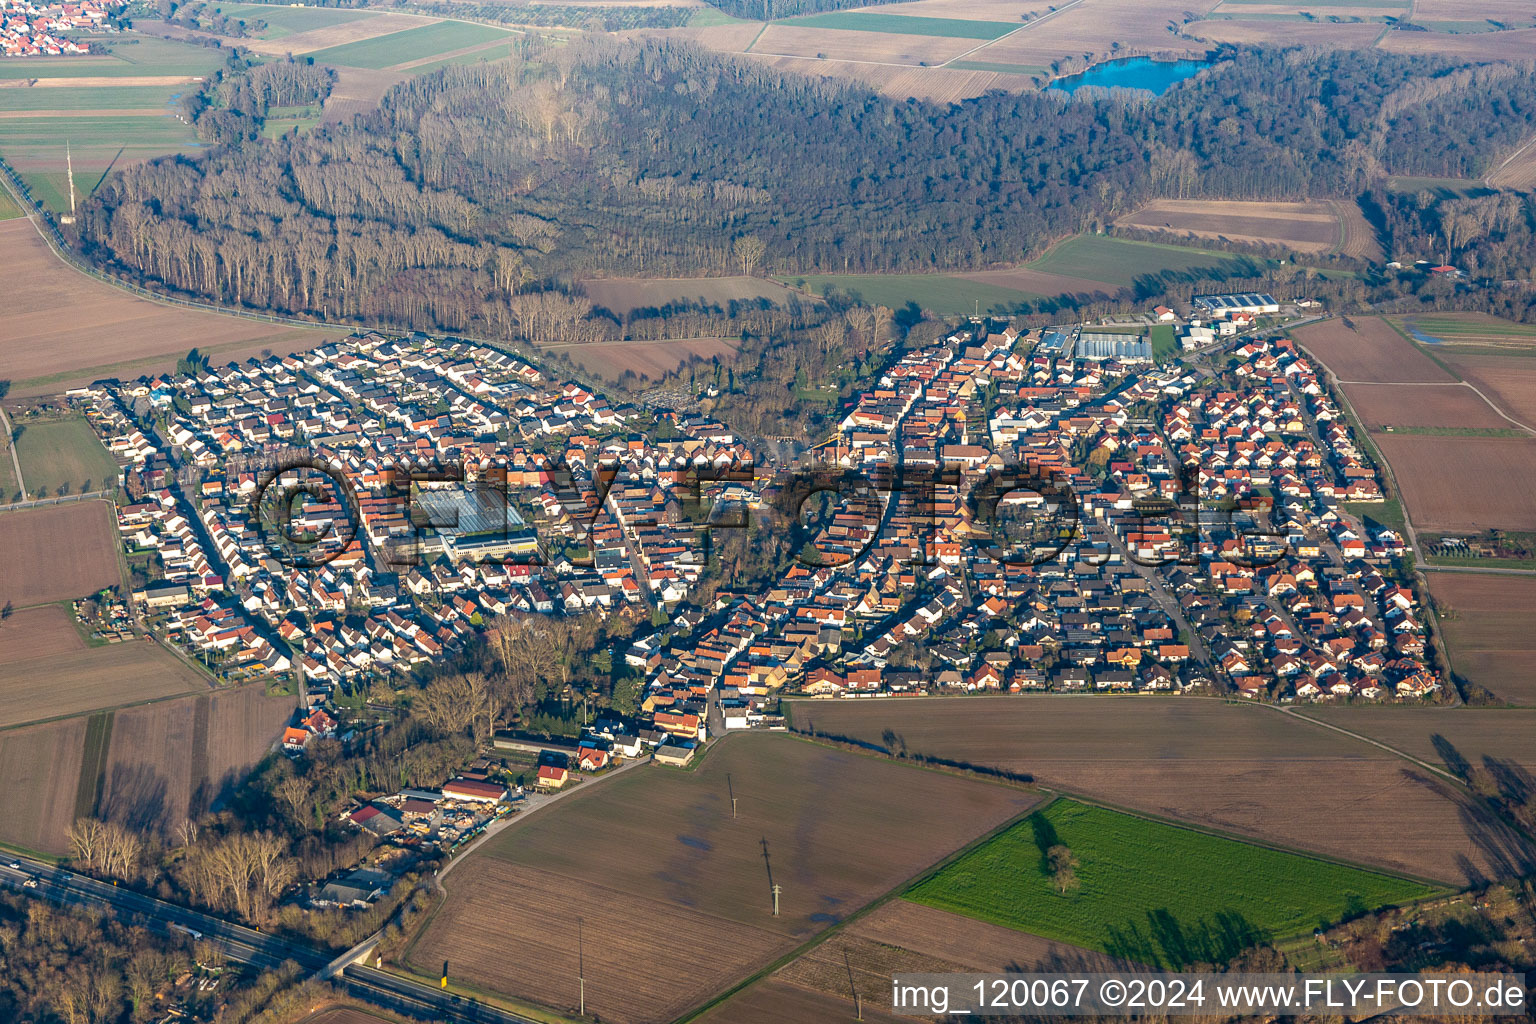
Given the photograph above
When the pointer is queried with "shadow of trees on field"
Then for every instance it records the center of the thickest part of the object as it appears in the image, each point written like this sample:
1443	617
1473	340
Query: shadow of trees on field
137	796
1503	803
1166	941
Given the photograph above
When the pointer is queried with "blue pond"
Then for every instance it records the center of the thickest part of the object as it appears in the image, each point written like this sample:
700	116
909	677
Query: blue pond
1155	76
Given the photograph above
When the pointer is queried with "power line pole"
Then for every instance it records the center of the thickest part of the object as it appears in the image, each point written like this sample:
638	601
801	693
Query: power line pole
732	790
581	968
776	889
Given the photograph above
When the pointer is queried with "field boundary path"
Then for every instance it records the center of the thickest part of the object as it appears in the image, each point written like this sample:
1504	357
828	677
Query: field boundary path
41	502
10	444
1442	384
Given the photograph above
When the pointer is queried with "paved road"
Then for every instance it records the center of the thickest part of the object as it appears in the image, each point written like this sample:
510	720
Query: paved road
5	422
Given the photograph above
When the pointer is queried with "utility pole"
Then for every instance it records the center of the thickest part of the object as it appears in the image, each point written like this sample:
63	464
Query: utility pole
776	889
581	968
732	789
69	172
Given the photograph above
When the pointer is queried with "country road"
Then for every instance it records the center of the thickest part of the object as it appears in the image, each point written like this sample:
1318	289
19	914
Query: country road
10	446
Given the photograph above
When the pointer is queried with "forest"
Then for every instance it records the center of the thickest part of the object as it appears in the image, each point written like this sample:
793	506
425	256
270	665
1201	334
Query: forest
477	195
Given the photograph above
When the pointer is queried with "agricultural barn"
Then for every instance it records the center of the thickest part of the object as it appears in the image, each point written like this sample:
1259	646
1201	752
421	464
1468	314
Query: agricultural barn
1226	305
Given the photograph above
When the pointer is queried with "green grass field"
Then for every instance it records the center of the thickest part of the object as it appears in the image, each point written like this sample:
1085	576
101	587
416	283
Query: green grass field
1122	261
1453	328
1151	892
1387	514
100	132
911	25
62	453
282	120
8	208
946	296
489	53
129	55
704	17
90	97
412	44
286	21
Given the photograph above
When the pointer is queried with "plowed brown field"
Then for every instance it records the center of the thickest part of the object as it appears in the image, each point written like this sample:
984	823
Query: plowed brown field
1306	227
1398	405
57	552
1254	771
834	829
1465	484
61	328
1369	351
1486	620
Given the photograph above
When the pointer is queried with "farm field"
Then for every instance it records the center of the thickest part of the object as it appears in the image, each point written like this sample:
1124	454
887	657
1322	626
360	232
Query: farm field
788	39
283	22
1476	330
952	83
840	829
1385	406
57	552
1517	44
357	91
65	455
1012	11
69	682
650	360
1138	898
1464	10
625	294
1266	32
1368	349
335	35
1091	27
113	110
1465	484
38	632
169	761
41	767
1509	380
1486	620
904	937
973	944
900	23
1311	227
1518	170
772	1001
1343	9
421	40
109	333
1444	737
1249	770
1122	261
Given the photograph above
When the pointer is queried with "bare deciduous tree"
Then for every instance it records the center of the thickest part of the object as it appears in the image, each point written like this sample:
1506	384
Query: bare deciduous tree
749	250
